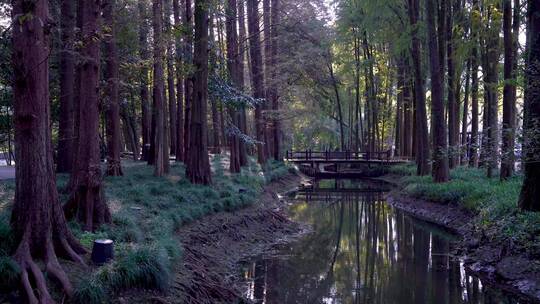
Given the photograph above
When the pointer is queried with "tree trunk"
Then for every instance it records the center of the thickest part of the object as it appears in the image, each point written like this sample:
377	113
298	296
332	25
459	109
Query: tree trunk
179	86
473	152
112	105
39	225
159	90
529	198
338	103
257	75
86	201
66	121
188	82
511	31
453	154
146	119
234	71
440	148
421	127
198	163
242	47
171	90
274	97
491	80
465	121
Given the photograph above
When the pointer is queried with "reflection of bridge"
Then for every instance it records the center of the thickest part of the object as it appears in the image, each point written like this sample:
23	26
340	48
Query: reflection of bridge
340	163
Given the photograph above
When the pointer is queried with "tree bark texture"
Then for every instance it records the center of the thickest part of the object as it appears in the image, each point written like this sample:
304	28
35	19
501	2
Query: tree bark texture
66	121
529	198
198	163
440	147
112	105
86	202
38	222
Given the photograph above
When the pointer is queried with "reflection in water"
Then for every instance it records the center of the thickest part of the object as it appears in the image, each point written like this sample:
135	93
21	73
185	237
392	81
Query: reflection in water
362	251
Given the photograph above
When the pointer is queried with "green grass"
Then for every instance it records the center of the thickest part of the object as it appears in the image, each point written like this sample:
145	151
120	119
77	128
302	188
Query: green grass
146	211
493	202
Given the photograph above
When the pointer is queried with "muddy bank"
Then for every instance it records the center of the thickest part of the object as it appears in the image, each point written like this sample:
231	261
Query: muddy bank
497	262
214	245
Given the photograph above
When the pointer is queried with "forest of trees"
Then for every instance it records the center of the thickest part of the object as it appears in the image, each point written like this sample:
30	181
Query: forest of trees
442	83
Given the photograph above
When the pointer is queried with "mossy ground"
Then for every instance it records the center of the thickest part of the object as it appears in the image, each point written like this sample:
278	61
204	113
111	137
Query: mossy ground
146	211
493	202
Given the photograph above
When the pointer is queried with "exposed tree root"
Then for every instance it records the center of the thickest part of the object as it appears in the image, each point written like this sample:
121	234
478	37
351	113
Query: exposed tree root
32	275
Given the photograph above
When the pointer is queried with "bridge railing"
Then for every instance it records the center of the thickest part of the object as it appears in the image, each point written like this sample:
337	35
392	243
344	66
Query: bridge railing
337	155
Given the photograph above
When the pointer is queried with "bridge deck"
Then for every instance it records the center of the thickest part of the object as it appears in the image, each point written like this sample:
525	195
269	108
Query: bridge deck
343	157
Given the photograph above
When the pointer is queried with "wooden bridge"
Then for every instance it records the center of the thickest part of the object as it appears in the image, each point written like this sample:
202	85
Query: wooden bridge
341	163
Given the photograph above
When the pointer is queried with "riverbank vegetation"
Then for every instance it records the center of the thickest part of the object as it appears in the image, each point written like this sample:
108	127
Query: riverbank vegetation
491	202
147	212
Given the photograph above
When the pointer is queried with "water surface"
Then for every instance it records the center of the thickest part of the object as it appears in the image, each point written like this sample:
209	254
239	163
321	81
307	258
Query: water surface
362	251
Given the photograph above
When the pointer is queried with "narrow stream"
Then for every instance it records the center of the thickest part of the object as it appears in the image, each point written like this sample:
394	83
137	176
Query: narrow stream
362	251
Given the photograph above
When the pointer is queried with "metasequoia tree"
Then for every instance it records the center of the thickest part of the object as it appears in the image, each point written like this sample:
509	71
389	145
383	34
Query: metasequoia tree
179	149
161	155
511	32
274	73
440	147
529	198
112	106
422	143
452	101
475	62
86	201
66	121
491	80
234	71
188	82
197	162
241	79
144	54
171	89
257	75
39	226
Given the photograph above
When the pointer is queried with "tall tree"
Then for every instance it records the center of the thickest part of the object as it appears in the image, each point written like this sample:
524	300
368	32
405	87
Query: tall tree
171	89
241	79
475	23
491	81
39	225
453	108
161	155
421	127
529	198
144	54
234	71
188	82
112	105
257	75
66	121
440	147
198	163
87	202
179	83
511	32
274	93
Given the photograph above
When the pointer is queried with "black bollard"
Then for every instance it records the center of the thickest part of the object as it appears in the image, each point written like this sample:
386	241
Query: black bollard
103	251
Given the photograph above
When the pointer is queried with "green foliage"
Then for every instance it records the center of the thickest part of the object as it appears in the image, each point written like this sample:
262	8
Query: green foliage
9	273
90	290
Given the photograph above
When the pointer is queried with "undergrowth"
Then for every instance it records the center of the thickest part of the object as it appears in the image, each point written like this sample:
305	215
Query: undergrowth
493	202
146	213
